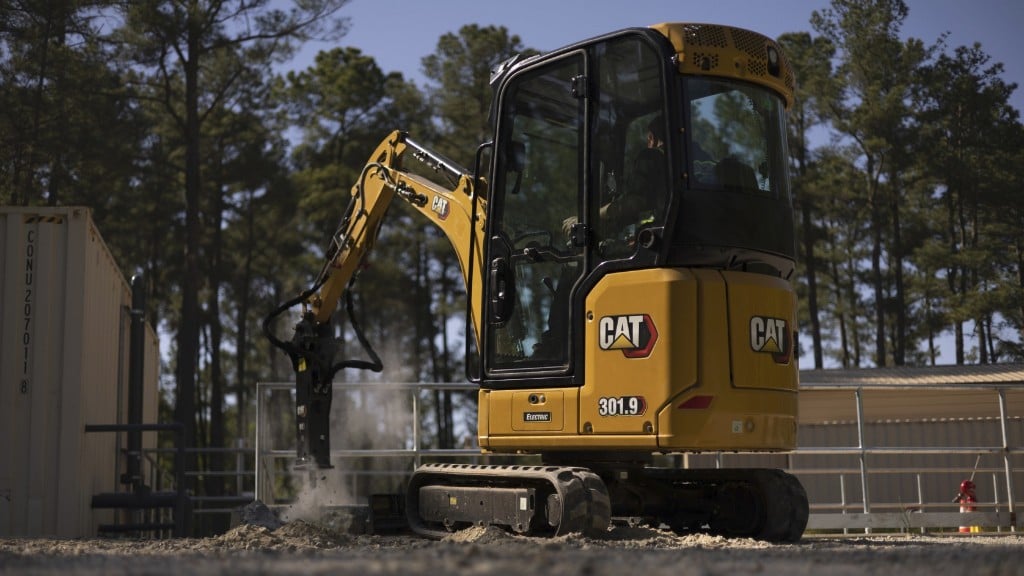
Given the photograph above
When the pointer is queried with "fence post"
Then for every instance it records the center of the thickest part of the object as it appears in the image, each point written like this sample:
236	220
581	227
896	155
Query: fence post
1007	465
995	497
416	428
182	524
865	491
920	497
259	442
239	466
842	497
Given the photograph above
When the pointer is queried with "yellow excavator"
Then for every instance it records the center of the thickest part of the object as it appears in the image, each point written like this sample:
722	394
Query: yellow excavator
626	238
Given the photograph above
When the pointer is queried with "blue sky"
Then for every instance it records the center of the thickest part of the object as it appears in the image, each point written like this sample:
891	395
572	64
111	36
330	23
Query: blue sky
399	33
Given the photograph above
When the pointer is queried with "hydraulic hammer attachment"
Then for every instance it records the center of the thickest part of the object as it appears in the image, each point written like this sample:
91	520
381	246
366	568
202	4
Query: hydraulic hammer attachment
312	350
313	391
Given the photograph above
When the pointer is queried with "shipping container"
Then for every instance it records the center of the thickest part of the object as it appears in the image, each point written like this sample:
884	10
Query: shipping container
64	341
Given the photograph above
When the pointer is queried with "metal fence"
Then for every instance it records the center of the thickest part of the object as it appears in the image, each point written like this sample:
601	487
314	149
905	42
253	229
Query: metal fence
396	460
931	450
849	477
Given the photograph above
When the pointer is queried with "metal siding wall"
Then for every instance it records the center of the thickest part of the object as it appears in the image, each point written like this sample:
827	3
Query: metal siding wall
12	457
73	457
900	489
941	487
821	406
63	330
831	423
104	343
826	487
45	396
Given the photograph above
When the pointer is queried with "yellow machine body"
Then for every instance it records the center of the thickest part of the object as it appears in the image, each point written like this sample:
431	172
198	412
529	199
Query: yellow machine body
719	375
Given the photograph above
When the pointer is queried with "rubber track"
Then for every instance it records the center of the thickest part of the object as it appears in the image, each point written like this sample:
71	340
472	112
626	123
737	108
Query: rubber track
586	507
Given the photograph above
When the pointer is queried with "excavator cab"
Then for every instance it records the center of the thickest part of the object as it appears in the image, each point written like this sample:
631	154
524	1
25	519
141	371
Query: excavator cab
638	247
625	153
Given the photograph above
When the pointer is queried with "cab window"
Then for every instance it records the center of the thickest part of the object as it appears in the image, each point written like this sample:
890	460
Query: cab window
532	266
737	137
630	163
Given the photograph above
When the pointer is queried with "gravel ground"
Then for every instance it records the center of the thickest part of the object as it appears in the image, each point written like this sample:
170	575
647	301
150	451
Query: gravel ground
300	547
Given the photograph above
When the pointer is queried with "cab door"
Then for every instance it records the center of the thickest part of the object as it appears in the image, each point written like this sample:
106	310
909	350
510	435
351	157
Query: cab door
533	259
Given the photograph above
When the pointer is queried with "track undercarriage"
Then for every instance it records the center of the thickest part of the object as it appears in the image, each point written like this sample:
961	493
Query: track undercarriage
537	500
764	504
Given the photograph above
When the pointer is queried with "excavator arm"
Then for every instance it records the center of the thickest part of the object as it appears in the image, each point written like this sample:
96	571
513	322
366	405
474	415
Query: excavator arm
455	209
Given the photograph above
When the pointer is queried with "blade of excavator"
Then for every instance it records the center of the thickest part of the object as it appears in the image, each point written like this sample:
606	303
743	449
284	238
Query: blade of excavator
765	504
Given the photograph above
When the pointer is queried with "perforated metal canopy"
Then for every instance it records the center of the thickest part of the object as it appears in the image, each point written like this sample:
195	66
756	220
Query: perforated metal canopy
904	376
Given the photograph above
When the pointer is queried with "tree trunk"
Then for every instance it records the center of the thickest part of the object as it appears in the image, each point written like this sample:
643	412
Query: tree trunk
880	298
188	328
58	169
812	285
807	208
1020	285
899	340
851	297
214	484
242	315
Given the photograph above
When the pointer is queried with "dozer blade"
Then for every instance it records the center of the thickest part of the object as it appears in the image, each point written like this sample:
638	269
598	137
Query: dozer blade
764	504
535	500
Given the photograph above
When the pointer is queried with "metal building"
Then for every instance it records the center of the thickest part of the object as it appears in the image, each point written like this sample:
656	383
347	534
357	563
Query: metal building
903	439
64	336
890	442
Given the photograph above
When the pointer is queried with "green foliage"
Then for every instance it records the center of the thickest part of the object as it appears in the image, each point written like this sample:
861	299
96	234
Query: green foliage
928	131
460	69
66	123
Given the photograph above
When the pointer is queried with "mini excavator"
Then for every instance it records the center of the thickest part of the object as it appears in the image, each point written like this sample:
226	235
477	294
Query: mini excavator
626	238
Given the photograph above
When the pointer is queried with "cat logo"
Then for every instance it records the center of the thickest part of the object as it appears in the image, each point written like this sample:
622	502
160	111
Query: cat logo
440	207
771	336
634	334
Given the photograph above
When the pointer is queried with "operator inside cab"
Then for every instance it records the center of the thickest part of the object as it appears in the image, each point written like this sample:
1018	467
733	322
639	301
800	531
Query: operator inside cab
646	194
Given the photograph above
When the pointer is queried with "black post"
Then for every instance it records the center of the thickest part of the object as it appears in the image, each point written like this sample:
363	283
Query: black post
140	500
182	504
136	367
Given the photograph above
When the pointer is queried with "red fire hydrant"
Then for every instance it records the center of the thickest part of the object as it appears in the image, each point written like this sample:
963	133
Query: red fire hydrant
966	498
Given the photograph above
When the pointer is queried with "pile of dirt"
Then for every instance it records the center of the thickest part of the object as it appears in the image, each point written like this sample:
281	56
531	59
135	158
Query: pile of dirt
652	538
297	535
303	547
259	514
479	535
618	537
